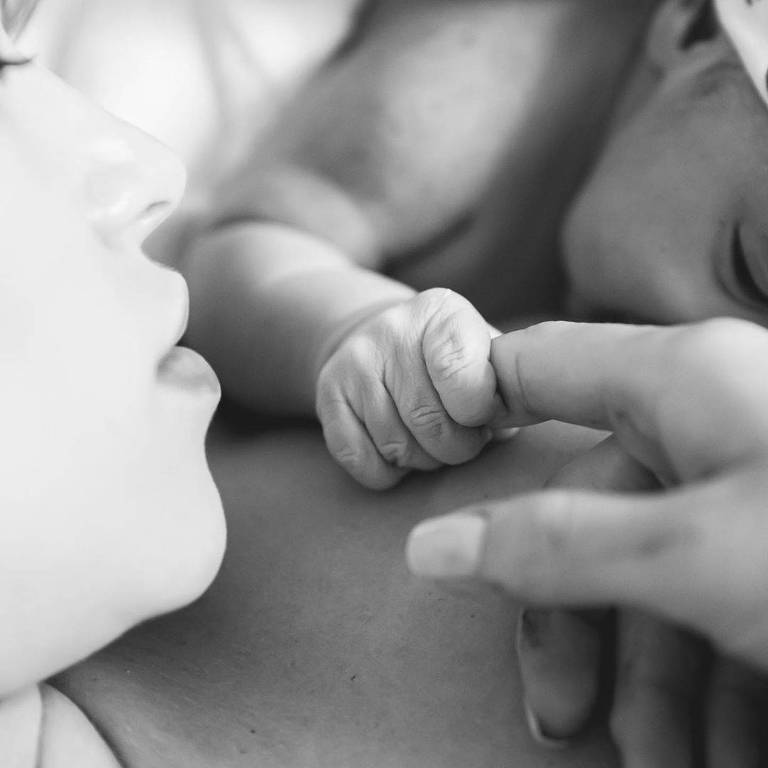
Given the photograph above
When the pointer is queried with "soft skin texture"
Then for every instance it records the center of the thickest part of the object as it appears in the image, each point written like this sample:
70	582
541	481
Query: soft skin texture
651	235
397	151
671	227
693	555
314	645
410	388
108	511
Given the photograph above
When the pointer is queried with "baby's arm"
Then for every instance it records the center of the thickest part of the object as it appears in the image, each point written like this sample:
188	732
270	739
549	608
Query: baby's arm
389	146
399	380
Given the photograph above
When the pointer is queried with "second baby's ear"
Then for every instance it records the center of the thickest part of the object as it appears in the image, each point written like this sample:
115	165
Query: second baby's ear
676	27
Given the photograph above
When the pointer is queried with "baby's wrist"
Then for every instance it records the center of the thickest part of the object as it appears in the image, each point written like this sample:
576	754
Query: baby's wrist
342	330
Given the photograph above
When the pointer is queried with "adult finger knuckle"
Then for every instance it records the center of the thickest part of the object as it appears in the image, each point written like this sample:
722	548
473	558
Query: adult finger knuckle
548	535
555	520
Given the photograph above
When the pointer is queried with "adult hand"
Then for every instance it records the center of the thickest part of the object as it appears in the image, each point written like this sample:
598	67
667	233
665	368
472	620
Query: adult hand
671	702
687	403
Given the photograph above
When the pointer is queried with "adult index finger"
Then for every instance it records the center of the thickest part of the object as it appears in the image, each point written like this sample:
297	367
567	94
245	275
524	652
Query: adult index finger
576	372
693	394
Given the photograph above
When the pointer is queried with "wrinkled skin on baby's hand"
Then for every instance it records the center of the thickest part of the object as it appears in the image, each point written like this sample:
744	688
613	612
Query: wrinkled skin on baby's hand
410	388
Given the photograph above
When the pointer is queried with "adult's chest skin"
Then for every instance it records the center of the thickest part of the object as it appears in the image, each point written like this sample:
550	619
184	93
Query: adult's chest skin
315	646
554	98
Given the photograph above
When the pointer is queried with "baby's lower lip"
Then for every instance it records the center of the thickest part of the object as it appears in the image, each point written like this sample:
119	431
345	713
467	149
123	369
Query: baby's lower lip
185	369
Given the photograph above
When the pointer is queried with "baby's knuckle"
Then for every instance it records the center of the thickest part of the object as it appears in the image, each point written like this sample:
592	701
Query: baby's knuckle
348	456
360	349
340	442
396	452
328	401
436	299
450	361
428	419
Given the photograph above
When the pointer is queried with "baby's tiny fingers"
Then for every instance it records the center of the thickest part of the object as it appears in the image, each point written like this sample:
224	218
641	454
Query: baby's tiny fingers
350	445
395	444
456	345
437	433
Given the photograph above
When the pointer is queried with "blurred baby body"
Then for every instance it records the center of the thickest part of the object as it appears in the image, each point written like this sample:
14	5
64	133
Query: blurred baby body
440	146
206	77
437	148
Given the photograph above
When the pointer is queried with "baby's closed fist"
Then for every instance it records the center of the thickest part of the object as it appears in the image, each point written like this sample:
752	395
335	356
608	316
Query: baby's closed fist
410	388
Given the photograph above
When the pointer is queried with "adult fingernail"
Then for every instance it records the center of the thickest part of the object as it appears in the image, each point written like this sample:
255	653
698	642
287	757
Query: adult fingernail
539	732
447	547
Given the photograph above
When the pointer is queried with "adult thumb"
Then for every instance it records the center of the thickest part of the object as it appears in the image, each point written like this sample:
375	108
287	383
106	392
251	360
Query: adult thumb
691	555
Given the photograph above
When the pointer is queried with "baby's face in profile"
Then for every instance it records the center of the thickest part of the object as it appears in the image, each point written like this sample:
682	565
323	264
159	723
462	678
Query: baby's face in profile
673	224
107	508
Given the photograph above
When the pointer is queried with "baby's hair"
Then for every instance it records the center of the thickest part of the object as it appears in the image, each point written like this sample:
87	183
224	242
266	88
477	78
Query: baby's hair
15	14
